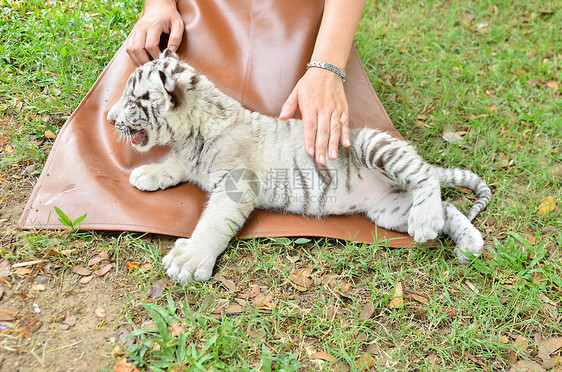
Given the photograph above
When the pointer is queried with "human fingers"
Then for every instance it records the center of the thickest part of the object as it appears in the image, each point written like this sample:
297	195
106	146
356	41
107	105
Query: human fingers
345	141
309	123
152	41
135	47
335	129
322	137
290	106
176	34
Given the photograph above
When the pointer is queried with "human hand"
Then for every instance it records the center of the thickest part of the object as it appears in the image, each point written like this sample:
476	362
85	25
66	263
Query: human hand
159	17
323	104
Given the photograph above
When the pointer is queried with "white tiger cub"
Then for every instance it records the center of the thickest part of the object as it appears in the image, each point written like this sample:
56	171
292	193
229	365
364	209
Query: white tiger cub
166	102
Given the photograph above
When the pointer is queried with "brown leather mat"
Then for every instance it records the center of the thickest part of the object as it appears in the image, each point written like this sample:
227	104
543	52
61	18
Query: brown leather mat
254	51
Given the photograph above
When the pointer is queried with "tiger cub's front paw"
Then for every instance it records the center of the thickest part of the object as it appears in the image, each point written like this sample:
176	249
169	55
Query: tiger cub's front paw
425	221
152	177
186	262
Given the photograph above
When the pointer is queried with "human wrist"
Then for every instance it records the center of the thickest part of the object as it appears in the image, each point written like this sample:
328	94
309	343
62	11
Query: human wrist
159	4
328	67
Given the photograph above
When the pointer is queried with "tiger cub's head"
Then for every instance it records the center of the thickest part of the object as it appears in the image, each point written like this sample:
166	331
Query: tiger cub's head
147	112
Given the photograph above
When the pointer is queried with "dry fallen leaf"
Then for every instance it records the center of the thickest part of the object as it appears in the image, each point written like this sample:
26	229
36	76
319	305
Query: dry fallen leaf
227	283
397	301
100	312
262	300
476	361
365	362
95	260
176	328
131	265
343	285
23	271
234	308
49	134
420	298
547	205
157	289
552	84
81	270
466	190
548	347
242	301
521	343
504	161
366	312
254	291
69	321
512	358
104	270
87	279
532	82
123	336
526	366
124	366
300	278
4	269
452	137
322	355
117	351
500	339
38	287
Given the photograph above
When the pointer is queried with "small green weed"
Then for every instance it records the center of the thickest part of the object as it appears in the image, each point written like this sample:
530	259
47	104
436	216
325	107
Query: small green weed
67	221
195	340
516	256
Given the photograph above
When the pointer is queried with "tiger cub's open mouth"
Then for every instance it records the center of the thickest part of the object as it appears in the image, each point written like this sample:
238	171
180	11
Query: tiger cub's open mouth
138	137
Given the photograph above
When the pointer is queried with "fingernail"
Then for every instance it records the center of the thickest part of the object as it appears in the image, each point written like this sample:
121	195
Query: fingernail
321	159
347	143
173	48
333	154
311	150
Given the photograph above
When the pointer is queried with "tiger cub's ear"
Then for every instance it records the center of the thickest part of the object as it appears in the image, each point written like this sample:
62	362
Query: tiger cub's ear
172	89
167	53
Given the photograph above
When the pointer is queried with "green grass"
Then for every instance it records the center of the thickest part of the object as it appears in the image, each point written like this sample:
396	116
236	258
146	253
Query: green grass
480	67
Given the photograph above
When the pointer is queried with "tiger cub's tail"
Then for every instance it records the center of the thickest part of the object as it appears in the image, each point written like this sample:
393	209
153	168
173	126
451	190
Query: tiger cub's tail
453	177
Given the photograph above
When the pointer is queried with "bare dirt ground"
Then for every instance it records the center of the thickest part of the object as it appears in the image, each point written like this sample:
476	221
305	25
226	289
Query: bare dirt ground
49	320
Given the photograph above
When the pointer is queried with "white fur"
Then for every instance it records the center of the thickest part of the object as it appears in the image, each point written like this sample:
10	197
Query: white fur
213	137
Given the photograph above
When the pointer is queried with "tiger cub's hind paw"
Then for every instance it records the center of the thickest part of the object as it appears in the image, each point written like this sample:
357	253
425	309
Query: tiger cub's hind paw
469	247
